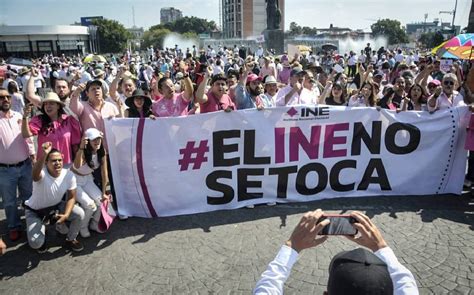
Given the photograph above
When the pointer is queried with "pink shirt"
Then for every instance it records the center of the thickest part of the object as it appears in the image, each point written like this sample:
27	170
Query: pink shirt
175	107
213	104
90	117
63	135
13	147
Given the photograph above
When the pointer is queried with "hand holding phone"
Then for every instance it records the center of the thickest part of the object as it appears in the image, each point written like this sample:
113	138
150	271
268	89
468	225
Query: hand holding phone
370	236
339	225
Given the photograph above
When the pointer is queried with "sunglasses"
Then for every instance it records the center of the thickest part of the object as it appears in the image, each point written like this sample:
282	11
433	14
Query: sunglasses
448	83
5	96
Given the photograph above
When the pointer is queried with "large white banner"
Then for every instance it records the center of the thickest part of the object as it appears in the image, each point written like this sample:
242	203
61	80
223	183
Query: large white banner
215	161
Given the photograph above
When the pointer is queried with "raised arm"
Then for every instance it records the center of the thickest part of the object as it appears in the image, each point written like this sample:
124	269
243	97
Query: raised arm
325	94
201	97
30	89
38	166
25	128
114	85
75	105
188	88
79	159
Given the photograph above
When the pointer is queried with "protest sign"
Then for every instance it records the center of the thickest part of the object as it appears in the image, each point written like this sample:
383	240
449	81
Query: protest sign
215	161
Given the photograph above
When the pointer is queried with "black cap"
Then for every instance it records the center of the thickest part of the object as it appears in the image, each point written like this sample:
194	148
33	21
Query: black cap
93	82
358	272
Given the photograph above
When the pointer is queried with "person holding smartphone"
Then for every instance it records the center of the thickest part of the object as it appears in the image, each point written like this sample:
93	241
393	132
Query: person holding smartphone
350	272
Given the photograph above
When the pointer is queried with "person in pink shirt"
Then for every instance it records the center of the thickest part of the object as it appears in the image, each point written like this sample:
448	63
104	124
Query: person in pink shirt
173	104
15	164
216	99
54	126
91	113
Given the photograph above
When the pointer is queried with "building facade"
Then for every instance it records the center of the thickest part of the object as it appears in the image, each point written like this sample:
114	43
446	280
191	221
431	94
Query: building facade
415	30
31	41
169	15
246	18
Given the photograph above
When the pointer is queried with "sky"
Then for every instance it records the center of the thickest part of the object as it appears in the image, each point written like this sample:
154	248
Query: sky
355	14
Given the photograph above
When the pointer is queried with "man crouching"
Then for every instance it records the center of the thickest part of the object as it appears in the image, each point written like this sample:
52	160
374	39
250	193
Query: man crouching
50	183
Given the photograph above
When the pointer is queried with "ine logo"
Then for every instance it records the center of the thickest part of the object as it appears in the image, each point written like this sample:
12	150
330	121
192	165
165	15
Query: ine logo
315	112
292	112
307	113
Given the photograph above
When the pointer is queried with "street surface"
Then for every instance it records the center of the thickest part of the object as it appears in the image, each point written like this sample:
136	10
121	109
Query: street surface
225	252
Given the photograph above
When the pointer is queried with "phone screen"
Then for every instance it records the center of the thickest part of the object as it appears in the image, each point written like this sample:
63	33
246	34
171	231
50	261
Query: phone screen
339	225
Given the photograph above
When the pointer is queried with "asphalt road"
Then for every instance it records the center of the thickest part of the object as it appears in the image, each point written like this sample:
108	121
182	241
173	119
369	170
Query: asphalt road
225	252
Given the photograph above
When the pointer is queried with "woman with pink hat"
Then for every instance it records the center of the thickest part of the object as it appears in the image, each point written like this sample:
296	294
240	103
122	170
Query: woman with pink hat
53	125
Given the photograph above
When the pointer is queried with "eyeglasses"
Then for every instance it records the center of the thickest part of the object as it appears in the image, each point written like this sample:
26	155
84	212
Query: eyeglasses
448	83
5	96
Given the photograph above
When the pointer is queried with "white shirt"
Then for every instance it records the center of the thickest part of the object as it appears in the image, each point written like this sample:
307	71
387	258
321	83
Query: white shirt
399	57
49	191
279	269
357	101
352	61
442	102
26	77
306	97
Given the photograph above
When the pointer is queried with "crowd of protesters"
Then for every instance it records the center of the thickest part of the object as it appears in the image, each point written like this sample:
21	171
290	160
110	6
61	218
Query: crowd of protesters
53	149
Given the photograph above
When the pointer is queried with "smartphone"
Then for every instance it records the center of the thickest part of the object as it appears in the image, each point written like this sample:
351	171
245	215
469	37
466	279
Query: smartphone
340	225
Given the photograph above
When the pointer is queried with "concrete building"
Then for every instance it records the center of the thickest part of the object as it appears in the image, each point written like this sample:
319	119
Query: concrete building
169	15
30	41
246	18
415	30
137	39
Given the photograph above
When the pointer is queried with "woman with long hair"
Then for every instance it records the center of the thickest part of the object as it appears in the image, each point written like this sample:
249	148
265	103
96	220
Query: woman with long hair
365	97
139	105
90	157
415	100
53	125
333	95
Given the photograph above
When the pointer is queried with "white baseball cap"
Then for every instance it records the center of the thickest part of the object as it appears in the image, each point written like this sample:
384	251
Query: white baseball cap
93	133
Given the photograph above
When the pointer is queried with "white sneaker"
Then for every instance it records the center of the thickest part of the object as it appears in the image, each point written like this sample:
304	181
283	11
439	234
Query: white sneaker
250	206
123	217
272	204
85	232
62	228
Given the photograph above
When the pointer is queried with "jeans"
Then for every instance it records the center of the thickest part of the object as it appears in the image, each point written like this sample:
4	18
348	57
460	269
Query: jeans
11	179
36	230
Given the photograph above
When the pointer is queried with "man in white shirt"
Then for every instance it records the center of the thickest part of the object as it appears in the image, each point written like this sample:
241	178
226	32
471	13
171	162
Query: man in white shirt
50	183
399	57
353	272
290	95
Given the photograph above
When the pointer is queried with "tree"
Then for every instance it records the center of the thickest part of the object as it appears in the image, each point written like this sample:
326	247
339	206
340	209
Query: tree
391	29
295	30
431	40
112	35
155	37
188	24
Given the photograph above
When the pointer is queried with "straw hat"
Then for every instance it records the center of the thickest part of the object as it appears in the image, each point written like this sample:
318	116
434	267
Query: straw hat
52	97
